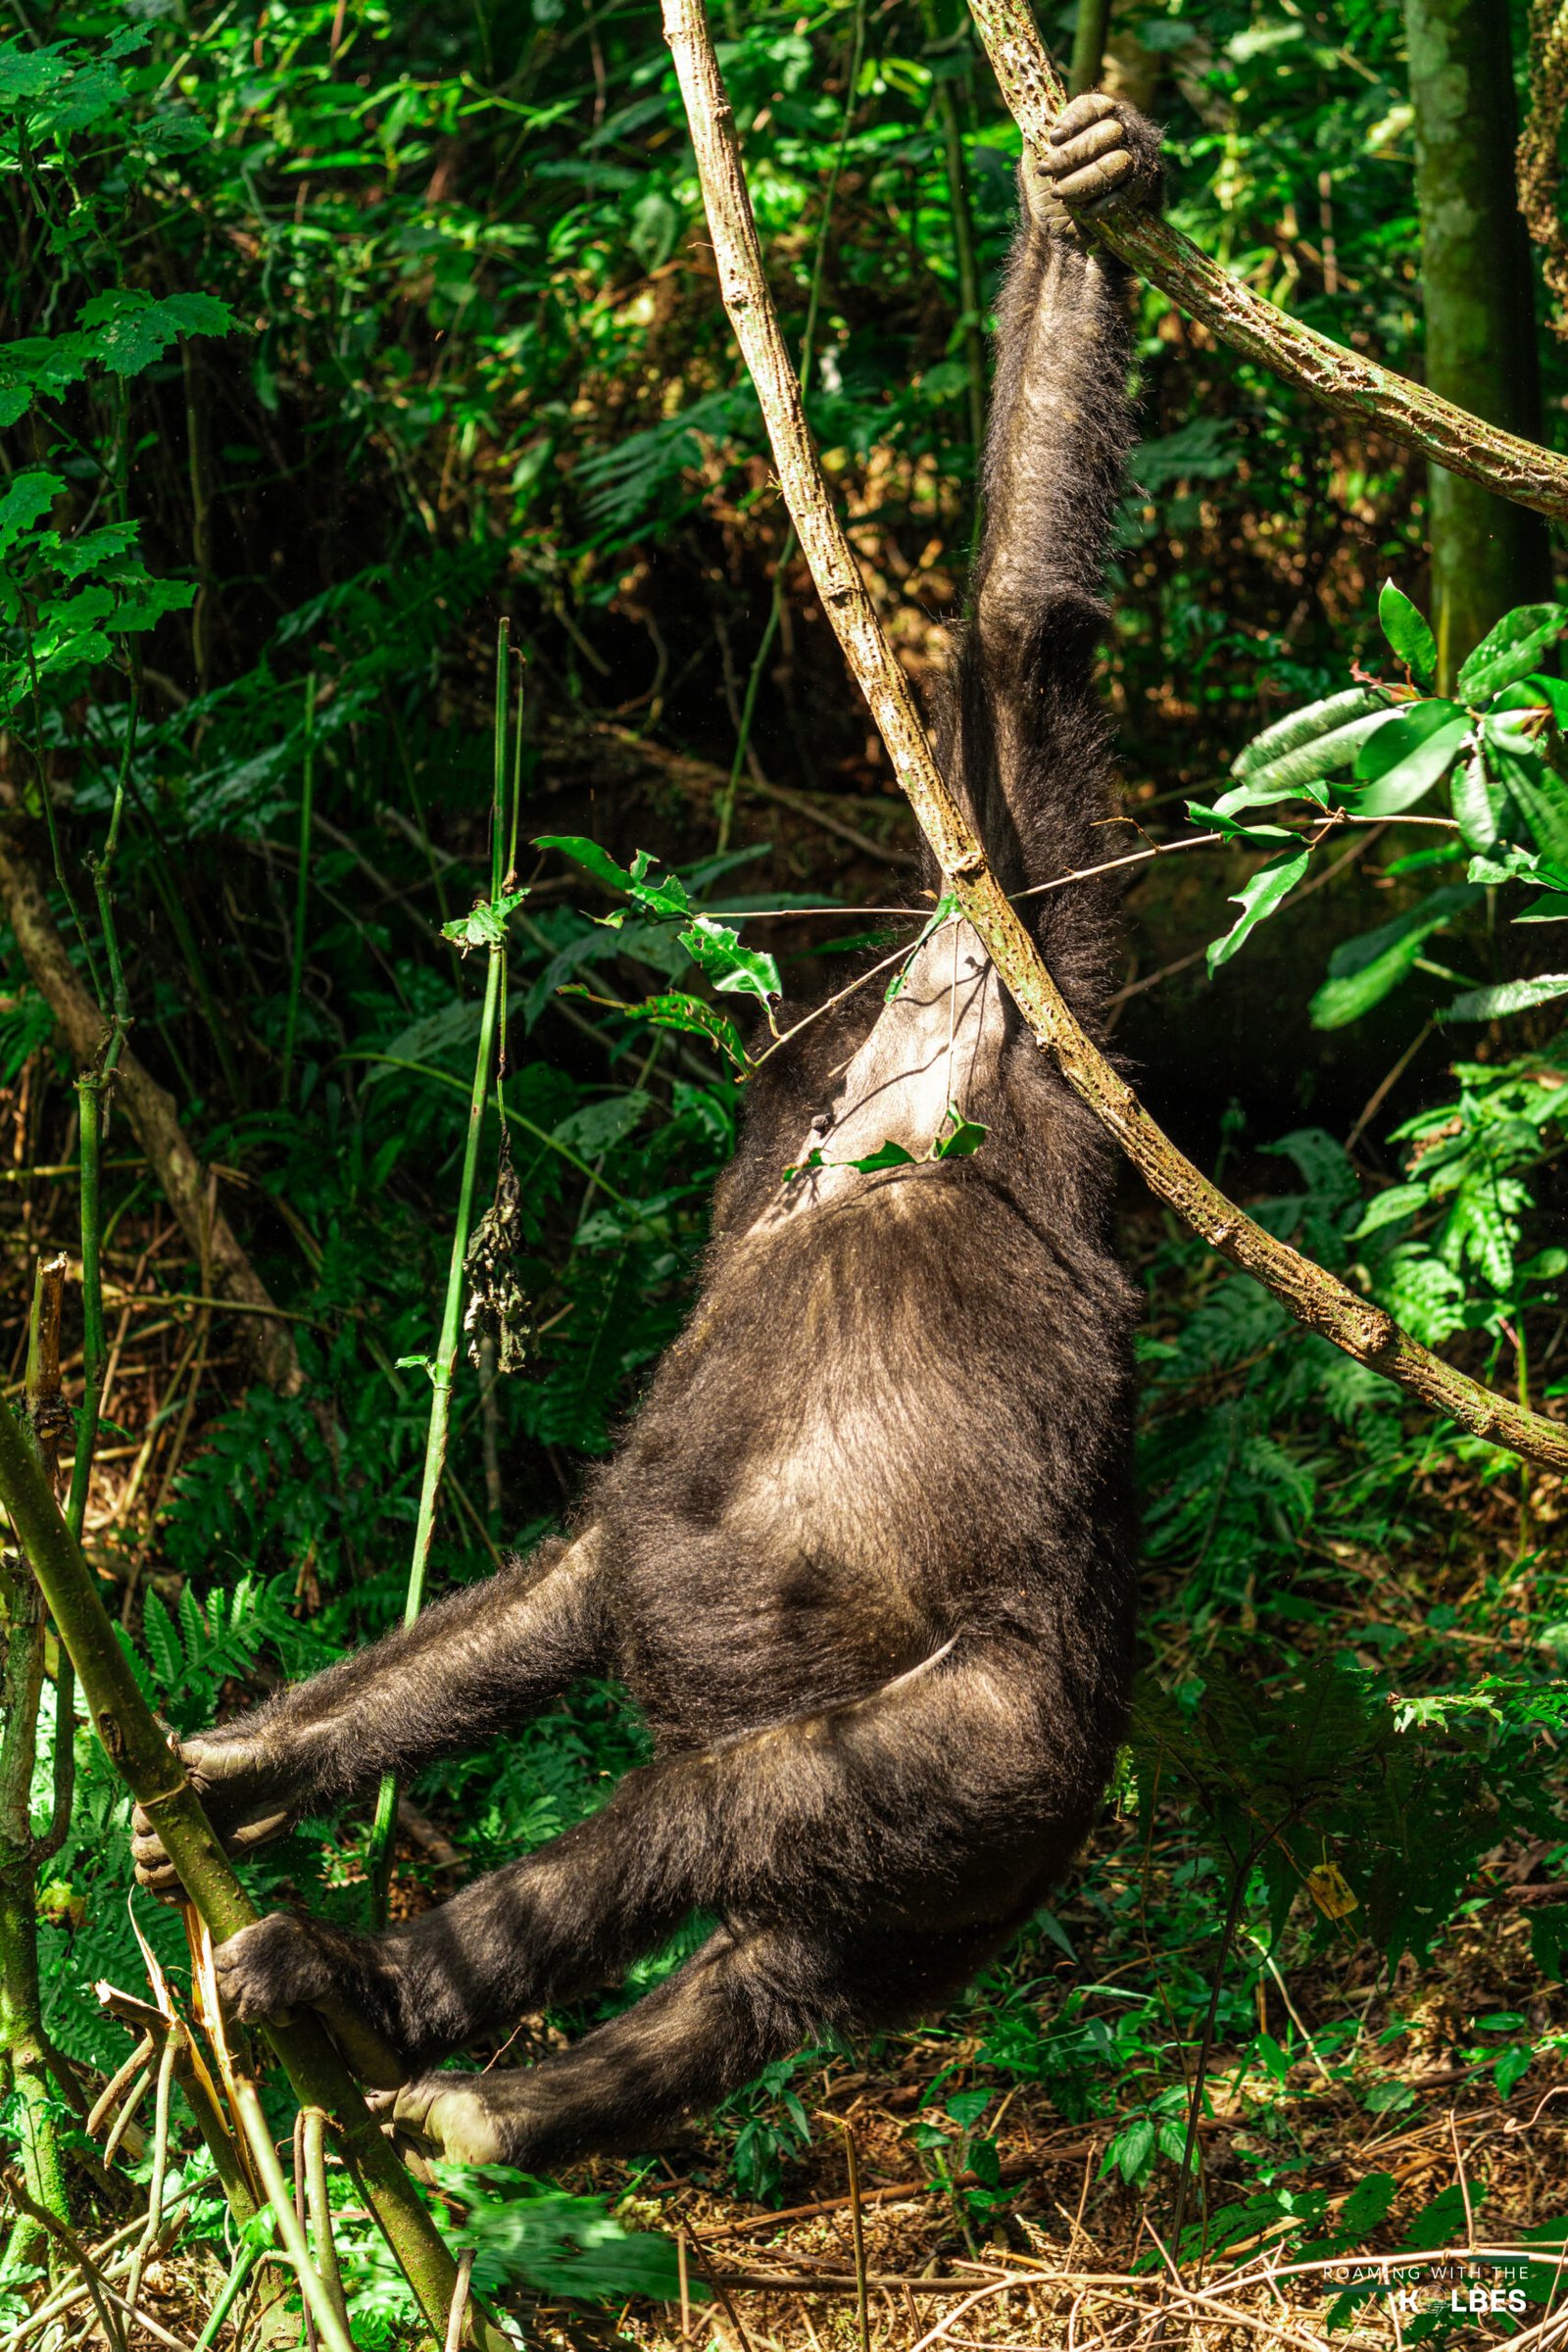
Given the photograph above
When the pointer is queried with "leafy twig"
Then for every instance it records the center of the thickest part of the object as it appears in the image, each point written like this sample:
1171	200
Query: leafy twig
1346	381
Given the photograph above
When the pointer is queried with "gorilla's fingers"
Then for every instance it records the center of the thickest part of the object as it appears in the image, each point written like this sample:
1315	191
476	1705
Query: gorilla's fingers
1102	177
1095	106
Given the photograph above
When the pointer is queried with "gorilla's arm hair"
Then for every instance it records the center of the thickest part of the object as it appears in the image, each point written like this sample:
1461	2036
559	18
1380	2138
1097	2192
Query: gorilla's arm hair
485	1656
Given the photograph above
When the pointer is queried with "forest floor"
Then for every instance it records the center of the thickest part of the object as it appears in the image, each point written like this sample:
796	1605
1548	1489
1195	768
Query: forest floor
1059	2232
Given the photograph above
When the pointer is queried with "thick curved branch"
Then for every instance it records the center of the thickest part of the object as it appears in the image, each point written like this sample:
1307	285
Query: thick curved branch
1315	1298
1346	381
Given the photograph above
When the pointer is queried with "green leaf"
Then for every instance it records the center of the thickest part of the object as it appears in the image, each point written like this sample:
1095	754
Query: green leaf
715	949
1507	995
131	328
1308	764
1538	792
28	496
1508	652
965	1139
886	1155
1305	726
1401	762
1256	836
1552	909
1258	898
945	907
1479	804
1362	971
484	925
1408	634
667	899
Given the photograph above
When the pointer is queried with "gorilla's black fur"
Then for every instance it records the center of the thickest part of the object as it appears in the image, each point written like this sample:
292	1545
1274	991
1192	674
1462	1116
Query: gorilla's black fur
867	1557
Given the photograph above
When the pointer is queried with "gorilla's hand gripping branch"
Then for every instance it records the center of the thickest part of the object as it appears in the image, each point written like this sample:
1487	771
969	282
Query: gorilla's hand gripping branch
1344	381
150	1769
1315	1298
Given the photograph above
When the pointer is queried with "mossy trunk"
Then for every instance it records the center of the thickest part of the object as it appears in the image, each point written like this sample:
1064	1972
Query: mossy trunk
1487	553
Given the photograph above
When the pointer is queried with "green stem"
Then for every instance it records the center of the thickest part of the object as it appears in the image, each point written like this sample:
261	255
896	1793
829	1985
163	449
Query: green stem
153	1772
23	2044
1087	47
446	1356
302	888
229	2294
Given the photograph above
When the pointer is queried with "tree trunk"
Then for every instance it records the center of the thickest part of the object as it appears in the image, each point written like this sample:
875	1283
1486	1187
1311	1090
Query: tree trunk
1487	555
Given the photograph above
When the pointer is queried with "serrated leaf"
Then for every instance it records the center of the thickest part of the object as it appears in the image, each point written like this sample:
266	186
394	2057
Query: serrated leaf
30	496
1258	897
965	1139
1408	633
668	898
675	1011
1391	1208
1509	650
715	949
131	328
1507	995
484	925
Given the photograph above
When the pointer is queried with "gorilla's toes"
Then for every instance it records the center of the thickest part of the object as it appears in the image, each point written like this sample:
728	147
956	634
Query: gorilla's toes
266	1972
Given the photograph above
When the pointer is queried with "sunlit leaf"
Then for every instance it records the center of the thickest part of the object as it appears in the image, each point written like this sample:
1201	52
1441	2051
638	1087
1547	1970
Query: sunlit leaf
1258	897
1510	650
1507	995
1408	633
1401	763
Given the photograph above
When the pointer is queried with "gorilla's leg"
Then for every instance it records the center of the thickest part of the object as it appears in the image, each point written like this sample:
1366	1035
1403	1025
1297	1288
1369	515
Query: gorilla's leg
934	1806
746	1998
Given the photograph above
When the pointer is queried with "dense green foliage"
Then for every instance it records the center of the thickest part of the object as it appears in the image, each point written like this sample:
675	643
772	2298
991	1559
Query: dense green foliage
335	335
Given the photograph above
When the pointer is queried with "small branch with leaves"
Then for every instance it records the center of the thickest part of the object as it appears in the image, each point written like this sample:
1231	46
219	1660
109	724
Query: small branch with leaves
1316	1298
1344	381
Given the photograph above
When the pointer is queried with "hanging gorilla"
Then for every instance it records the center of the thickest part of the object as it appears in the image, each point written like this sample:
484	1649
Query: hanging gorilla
865	1559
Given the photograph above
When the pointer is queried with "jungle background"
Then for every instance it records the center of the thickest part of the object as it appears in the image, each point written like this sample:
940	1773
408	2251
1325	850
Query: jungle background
338	335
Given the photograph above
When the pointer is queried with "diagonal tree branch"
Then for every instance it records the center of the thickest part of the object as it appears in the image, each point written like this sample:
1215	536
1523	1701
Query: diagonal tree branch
154	1775
1315	1298
150	1108
1346	381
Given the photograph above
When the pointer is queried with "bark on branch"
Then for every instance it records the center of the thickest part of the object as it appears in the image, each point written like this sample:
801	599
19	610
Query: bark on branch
1315	1298
150	1108
1346	381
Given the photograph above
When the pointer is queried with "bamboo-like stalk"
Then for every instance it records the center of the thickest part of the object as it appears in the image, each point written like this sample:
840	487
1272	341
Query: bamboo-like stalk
1314	1296
1346	381
153	1772
444	1365
1090	30
23	2042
